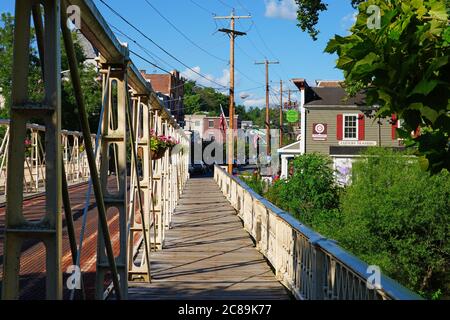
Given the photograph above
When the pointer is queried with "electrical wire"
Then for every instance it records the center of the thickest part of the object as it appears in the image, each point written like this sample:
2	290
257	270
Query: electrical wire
225	4
150	54
203	8
157	45
183	34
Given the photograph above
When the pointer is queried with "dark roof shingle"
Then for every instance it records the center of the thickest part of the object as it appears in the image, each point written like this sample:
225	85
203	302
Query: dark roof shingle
332	96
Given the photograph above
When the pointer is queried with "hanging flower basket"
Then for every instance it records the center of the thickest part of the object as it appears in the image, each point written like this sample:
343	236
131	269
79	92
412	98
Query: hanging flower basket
158	154
160	144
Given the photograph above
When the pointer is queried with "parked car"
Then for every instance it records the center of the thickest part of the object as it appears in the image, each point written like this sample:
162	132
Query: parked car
197	168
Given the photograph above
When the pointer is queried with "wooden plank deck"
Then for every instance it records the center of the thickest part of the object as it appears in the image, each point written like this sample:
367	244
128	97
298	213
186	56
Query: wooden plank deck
208	254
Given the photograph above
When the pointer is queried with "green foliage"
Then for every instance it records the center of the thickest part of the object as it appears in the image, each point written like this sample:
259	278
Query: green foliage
308	14
35	85
207	100
310	191
404	68
88	76
161	142
255	182
396	216
202	99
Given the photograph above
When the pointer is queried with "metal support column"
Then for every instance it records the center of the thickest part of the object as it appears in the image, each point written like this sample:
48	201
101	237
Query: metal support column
114	141
49	229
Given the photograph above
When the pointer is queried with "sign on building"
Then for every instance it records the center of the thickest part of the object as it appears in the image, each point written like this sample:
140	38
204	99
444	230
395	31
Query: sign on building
320	132
358	143
292	116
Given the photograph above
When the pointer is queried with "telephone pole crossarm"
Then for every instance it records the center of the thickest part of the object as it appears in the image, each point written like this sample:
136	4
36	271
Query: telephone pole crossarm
236	33
232	17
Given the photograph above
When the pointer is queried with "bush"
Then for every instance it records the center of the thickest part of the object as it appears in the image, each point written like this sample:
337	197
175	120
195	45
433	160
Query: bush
310	191
255	182
396	216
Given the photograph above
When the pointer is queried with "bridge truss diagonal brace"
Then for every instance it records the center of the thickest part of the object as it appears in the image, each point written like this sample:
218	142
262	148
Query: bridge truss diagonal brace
49	229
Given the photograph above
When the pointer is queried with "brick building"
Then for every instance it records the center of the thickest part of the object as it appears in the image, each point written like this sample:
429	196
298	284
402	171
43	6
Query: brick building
170	89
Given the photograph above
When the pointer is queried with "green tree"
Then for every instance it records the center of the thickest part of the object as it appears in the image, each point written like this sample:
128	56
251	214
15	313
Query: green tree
396	216
35	85
198	99
308	14
404	68
310	192
88	74
91	88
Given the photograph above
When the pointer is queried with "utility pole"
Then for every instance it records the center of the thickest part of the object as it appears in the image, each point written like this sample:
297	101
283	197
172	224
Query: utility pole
281	113
289	99
267	63
233	34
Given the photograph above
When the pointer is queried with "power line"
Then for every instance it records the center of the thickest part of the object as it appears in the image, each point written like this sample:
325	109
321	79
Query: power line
203	8
157	45
225	4
148	61
151	55
247	77
243	7
183	34
166	71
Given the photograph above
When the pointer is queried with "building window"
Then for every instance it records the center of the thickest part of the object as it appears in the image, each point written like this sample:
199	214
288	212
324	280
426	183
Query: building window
211	124
351	127
197	123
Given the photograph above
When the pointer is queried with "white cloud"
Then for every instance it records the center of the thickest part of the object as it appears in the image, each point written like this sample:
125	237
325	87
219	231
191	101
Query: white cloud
223	80
349	20
252	100
283	9
255	102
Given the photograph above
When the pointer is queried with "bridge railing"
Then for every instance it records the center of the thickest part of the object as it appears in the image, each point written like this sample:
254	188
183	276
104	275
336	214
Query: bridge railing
311	266
131	115
74	157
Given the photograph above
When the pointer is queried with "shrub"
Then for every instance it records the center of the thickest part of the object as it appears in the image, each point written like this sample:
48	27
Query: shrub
396	216
310	191
255	182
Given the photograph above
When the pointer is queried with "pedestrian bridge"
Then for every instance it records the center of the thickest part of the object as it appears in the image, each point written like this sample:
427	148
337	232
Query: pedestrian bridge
118	219
227	242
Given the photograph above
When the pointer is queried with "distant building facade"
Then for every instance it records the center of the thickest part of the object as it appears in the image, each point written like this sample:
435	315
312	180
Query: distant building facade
208	128
170	90
339	126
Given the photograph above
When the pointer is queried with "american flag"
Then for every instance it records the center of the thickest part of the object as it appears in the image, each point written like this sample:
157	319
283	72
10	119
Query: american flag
223	120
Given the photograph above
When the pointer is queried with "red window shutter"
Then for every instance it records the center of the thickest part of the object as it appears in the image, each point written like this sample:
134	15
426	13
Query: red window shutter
417	133
340	127
394	126
361	128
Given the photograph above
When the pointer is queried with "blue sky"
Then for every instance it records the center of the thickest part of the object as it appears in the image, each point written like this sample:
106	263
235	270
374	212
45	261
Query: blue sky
272	33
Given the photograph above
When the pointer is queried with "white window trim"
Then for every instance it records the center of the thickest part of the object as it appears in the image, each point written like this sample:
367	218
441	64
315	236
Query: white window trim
357	126
209	124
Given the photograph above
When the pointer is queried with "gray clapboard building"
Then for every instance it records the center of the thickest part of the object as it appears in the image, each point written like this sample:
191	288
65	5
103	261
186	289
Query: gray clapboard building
339	126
